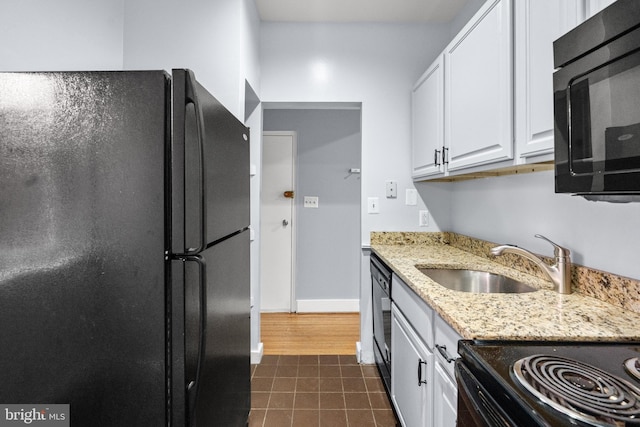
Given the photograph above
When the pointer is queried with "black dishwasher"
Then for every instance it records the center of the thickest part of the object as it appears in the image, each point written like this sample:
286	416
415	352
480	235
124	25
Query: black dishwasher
381	297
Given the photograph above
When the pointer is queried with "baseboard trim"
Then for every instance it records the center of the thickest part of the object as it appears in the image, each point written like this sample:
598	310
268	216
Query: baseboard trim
256	355
328	306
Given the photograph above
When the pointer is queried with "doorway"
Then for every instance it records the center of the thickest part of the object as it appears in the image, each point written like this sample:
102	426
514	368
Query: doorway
327	241
277	222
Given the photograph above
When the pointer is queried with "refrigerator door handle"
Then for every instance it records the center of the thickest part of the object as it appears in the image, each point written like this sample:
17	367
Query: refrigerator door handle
192	97
193	384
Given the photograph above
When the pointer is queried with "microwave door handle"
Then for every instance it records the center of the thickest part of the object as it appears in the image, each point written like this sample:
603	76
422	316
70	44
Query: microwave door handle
194	384
192	97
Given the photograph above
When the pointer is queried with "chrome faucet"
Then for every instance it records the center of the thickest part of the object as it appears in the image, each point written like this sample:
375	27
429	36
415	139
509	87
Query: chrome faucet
559	273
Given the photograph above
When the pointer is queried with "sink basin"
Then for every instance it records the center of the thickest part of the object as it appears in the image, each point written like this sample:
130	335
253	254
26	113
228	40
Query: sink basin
479	282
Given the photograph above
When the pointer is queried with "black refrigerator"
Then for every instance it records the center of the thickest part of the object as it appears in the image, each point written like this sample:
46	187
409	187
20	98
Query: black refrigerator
124	249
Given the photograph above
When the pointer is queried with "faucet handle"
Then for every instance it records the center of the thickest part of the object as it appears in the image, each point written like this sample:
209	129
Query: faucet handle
558	251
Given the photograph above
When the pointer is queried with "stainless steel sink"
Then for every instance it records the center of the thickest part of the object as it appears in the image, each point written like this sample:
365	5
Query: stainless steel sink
476	281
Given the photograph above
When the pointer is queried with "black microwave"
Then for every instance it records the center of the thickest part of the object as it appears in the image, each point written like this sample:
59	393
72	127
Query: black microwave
597	106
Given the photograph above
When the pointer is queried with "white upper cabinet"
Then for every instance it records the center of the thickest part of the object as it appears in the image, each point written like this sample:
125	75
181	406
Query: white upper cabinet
537	24
492	89
478	89
594	6
427	105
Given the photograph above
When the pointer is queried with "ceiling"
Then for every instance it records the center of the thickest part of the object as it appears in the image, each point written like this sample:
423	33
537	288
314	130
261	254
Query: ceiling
390	11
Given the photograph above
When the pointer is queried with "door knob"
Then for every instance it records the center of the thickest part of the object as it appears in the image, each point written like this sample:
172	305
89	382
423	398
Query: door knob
288	194
285	222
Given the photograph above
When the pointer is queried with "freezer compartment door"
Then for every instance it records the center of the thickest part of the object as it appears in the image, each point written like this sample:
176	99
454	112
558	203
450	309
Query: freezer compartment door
210	167
222	376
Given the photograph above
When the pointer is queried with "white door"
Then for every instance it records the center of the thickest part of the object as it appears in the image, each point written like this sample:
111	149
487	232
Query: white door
277	222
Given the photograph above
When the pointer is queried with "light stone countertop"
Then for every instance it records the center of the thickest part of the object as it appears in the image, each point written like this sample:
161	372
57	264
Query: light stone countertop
540	315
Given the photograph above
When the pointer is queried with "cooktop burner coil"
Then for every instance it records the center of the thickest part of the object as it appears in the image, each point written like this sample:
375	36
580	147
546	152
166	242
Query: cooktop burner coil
580	390
633	367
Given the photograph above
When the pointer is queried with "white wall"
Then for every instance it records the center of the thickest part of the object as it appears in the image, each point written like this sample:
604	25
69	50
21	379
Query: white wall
61	35
511	209
375	64
216	39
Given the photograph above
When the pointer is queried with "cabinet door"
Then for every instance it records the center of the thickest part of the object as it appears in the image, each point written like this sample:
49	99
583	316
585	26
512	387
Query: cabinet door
411	374
538	24
445	395
427	122
595	6
478	89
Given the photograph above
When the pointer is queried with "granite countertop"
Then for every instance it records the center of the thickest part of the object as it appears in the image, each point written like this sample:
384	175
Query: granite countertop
540	315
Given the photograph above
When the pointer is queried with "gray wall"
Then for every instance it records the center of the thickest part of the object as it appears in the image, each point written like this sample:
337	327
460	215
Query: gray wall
511	209
328	238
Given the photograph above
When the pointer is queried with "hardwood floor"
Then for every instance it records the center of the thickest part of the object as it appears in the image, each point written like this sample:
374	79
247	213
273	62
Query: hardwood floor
310	333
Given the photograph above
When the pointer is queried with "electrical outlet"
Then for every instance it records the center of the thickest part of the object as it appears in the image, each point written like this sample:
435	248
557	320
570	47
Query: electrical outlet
424	219
310	201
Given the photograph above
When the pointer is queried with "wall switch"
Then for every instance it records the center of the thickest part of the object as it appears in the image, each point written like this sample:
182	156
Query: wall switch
411	197
424	219
310	201
392	189
372	205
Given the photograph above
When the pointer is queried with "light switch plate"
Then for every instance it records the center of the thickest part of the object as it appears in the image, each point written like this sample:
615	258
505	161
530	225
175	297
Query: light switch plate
372	205
411	197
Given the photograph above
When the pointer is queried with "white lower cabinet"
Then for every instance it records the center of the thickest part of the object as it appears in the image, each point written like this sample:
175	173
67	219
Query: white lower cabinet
445	393
423	350
445	398
411	373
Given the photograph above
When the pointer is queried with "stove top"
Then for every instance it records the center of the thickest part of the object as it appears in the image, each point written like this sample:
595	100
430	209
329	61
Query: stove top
578	389
560	383
633	367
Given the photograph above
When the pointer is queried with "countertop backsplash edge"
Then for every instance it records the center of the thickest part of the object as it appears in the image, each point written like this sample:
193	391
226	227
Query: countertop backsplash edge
617	290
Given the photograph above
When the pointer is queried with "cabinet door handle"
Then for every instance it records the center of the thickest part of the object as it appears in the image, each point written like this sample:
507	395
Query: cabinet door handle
420	380
443	351
436	157
445	155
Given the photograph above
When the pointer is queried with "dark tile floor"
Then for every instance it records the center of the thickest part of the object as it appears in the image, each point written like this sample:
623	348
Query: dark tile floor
318	391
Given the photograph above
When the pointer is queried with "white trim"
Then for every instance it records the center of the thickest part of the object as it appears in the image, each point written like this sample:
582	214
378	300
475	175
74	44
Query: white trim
328	305
276	310
363	356
312	105
256	355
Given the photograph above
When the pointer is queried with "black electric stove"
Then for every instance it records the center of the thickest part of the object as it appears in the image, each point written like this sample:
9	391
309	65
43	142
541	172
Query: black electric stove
524	383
